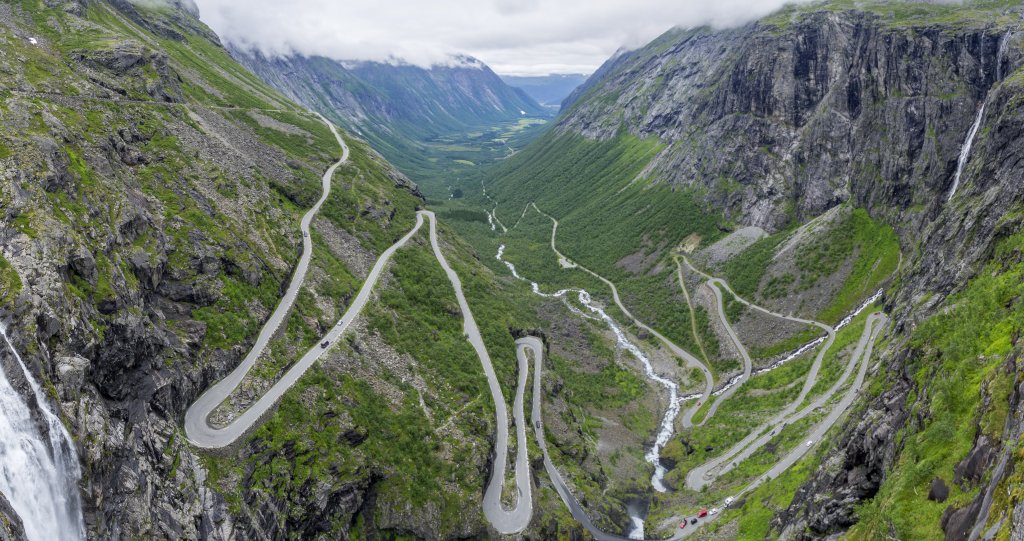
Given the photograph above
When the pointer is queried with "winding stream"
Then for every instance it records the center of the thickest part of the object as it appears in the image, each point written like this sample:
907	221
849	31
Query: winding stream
667	427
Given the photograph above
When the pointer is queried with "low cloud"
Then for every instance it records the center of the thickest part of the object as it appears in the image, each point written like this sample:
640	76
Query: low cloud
187	5
523	37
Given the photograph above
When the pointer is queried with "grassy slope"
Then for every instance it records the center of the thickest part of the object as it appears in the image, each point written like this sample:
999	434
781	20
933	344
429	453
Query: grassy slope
10	283
871	250
401	442
959	362
909	14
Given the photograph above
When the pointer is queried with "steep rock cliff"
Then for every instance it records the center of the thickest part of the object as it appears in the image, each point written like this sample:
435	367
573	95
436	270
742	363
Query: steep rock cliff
870	104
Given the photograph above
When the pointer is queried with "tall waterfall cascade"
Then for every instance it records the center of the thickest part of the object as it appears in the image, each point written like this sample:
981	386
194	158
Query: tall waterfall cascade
39	472
965	148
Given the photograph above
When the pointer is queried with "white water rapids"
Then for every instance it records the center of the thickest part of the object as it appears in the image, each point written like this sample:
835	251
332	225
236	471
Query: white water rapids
38	473
814	343
653	455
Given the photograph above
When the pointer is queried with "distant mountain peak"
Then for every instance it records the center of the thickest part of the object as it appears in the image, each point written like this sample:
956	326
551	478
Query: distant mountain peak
452	61
462	61
397	104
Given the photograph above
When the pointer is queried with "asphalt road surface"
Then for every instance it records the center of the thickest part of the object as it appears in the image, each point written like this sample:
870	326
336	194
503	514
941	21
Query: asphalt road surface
197	427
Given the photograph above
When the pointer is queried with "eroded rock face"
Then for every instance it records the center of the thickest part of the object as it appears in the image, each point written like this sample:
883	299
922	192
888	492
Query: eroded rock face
833	106
826	504
778	122
119	57
124	217
10	524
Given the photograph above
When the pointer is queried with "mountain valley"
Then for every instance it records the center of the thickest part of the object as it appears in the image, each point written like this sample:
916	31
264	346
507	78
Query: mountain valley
753	282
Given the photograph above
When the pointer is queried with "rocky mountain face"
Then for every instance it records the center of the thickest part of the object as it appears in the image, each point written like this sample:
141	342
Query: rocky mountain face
150	191
10	525
775	123
396	106
798	100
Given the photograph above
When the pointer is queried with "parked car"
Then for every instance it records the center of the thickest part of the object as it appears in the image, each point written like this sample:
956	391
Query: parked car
324	344
713	511
703	512
682	524
693	521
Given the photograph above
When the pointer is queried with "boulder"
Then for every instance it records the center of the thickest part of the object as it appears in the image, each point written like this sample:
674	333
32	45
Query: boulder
938	491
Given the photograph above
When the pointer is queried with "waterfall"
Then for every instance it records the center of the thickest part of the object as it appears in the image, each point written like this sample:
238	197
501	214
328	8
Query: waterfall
965	151
38	473
653	455
1001	54
636	526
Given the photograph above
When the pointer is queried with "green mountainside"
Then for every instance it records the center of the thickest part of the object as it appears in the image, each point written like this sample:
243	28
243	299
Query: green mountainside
151	188
809	158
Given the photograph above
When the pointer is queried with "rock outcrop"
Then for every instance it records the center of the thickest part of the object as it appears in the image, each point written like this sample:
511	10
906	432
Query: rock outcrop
151	229
10	524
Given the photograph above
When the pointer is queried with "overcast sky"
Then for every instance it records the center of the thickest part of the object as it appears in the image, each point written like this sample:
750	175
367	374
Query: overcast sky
515	37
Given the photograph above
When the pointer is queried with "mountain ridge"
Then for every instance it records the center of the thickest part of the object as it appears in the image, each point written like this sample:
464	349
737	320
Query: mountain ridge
548	90
397	107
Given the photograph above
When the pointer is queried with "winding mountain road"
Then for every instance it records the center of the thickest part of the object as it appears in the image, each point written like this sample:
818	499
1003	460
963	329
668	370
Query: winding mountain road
702	475
509	521
201	433
690	360
689	306
862	354
503	521
748	363
197	428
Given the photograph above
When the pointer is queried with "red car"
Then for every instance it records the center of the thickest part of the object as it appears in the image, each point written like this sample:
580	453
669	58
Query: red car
682	524
703	512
